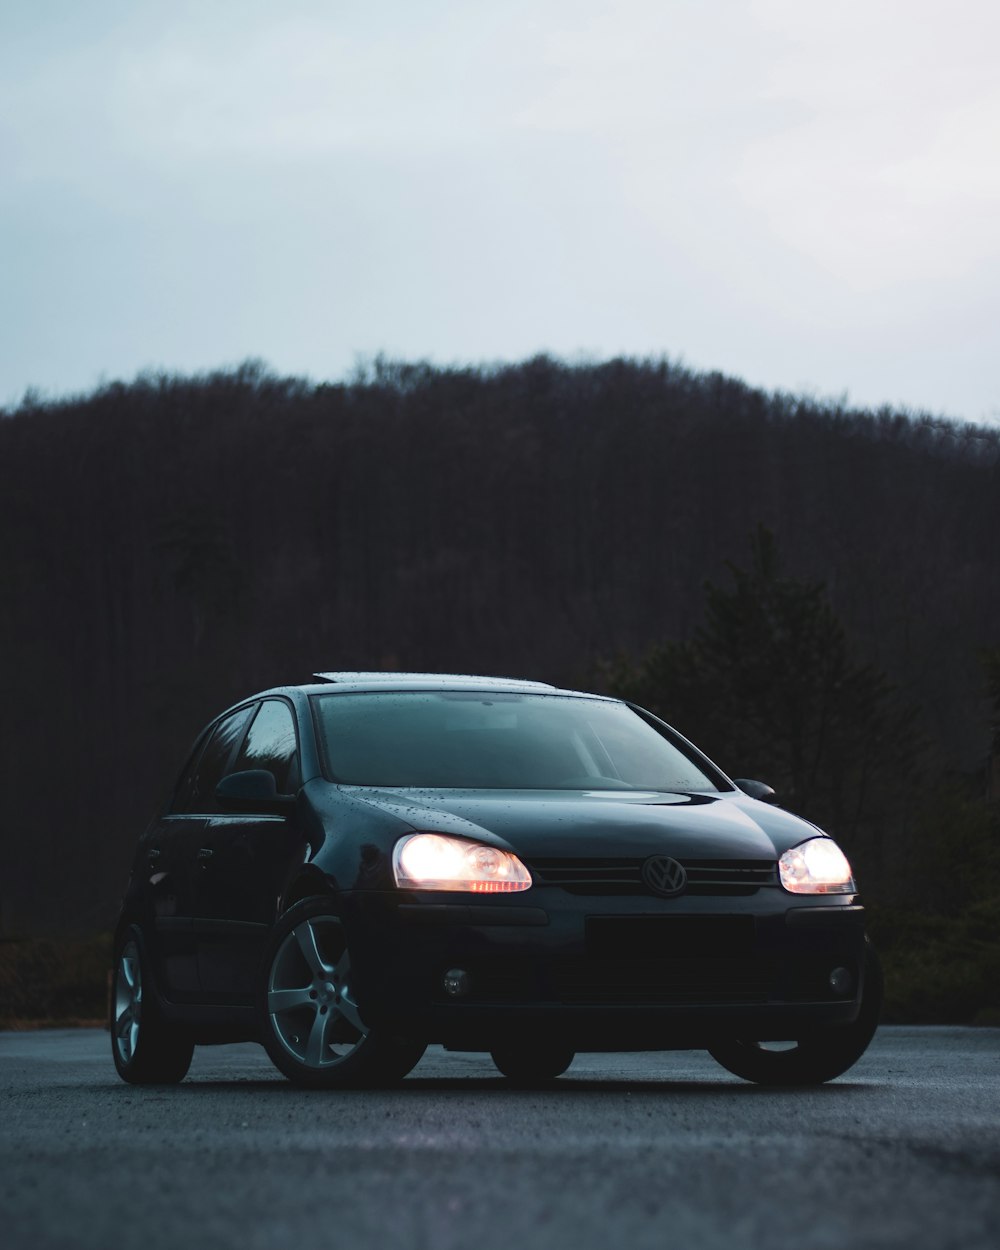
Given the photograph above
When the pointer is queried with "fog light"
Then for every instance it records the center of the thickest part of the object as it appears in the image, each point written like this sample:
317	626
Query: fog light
457	983
841	981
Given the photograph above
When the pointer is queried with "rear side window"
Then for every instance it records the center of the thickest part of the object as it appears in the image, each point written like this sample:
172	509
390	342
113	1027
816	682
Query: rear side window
271	744
184	790
196	790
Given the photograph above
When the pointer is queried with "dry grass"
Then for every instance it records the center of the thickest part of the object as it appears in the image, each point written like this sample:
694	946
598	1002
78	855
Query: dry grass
54	982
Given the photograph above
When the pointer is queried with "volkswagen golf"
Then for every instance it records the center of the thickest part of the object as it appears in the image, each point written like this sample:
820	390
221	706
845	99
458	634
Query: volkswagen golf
351	869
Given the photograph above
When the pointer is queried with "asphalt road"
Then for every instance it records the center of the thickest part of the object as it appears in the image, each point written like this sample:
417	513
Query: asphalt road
624	1152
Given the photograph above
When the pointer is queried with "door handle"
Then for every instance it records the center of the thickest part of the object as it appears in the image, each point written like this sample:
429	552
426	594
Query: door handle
204	855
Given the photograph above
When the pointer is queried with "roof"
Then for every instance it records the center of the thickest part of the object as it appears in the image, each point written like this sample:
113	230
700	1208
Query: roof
436	679
344	682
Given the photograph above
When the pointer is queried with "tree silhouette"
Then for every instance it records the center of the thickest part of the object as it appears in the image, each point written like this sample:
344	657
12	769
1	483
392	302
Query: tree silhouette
991	668
769	685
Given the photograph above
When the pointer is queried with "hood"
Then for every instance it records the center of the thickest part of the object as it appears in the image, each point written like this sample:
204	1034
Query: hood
599	823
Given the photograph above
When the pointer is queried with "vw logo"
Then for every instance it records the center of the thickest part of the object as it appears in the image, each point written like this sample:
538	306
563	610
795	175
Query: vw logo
664	875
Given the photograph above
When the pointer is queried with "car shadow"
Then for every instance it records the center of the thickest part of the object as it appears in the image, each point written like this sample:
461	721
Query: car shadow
414	1086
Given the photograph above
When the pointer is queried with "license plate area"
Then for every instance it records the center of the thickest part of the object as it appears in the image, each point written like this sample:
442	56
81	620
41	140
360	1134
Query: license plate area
659	937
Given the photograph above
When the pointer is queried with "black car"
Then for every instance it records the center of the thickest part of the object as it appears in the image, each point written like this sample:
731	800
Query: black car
349	870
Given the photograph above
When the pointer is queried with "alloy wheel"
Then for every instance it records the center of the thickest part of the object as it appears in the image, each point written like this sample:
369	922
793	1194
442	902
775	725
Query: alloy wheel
310	1000
128	1002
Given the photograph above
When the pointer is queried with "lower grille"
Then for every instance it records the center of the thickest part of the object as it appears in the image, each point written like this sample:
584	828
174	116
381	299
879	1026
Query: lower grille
651	981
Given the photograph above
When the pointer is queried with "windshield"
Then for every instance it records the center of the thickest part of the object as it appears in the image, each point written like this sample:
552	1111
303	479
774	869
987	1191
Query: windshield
481	740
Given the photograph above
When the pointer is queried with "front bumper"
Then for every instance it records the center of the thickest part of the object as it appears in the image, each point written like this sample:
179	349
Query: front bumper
598	973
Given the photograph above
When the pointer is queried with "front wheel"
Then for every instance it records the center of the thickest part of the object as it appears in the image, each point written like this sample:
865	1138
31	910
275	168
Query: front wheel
147	1050
313	1030
814	1059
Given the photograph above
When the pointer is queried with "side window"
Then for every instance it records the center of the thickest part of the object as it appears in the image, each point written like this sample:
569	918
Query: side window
184	790
271	744
213	764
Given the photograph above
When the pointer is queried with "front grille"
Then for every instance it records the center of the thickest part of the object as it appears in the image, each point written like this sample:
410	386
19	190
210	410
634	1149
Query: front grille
719	877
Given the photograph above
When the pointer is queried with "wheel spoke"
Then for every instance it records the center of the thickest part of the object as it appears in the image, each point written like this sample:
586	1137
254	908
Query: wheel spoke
124	1021
288	1000
127	968
316	1045
348	1008
342	969
305	935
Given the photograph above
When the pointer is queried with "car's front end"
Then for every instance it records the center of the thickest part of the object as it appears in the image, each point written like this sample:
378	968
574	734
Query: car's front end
645	923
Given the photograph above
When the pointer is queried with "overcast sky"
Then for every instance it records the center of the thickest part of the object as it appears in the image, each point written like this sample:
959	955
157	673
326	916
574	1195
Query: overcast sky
804	195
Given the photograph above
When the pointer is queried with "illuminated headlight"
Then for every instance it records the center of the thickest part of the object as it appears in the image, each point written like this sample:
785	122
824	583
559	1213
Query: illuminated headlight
431	861
818	866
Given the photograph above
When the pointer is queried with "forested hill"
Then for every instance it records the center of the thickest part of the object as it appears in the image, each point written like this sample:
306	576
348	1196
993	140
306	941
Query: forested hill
170	545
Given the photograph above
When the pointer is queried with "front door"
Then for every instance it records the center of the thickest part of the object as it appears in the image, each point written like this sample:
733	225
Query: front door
172	849
244	863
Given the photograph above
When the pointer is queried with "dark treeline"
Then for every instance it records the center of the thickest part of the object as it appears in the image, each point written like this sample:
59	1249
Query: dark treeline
170	545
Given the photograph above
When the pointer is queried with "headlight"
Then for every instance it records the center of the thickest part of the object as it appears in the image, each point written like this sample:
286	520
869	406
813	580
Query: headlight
431	861
818	866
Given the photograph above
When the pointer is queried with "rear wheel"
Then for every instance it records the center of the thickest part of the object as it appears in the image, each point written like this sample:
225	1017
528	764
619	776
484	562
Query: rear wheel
529	1065
312	1027
814	1059
147	1050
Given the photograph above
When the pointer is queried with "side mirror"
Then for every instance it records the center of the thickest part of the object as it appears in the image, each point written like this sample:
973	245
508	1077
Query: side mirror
757	790
252	791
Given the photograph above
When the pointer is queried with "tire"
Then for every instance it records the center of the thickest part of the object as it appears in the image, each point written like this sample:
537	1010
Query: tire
311	1027
147	1049
529	1065
814	1059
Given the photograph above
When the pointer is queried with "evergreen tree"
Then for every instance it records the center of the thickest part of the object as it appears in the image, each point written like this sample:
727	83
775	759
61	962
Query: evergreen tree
768	684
